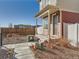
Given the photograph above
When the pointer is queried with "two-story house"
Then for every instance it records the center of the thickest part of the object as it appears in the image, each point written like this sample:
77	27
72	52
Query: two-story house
54	14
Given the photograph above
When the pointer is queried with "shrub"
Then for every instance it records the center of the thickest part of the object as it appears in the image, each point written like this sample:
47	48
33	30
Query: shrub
40	46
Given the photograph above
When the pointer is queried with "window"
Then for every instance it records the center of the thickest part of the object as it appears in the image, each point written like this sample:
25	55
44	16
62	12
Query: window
45	23
55	24
44	2
47	2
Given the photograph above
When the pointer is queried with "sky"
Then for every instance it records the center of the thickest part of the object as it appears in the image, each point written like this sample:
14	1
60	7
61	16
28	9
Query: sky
18	12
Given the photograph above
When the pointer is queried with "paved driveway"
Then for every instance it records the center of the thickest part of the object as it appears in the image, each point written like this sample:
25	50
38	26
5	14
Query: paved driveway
22	50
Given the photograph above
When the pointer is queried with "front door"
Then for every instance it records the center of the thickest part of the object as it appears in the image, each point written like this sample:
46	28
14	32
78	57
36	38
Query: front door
56	25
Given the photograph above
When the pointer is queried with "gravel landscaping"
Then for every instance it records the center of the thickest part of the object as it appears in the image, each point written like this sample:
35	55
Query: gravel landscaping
53	51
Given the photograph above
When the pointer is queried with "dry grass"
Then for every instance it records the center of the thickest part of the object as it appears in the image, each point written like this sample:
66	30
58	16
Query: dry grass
57	49
14	39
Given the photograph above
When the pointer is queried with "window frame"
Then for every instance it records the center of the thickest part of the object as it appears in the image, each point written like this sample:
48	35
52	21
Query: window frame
55	20
45	21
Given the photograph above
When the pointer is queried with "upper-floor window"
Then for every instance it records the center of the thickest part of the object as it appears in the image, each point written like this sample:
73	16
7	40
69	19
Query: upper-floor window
44	3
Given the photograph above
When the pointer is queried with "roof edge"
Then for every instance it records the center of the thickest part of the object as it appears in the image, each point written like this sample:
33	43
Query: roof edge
38	1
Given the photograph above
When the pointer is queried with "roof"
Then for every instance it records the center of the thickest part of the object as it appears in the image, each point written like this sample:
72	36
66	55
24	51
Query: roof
48	7
38	0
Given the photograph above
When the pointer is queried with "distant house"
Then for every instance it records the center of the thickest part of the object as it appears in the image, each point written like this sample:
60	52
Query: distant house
23	26
55	14
10	25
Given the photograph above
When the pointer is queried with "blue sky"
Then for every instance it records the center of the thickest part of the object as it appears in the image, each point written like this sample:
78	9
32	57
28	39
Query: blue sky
18	11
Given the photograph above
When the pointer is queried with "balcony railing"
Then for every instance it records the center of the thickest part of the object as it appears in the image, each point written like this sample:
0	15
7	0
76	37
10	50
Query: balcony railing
44	3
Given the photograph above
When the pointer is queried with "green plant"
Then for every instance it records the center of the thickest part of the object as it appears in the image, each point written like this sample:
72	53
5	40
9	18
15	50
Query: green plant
40	46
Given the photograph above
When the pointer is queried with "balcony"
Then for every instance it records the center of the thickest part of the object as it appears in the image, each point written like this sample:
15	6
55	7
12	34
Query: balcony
44	3
48	7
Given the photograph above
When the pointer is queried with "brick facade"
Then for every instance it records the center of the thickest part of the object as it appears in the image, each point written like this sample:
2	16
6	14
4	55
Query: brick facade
70	17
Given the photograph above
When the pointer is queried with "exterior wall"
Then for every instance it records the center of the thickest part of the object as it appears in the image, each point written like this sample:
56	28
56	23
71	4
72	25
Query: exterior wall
68	5
70	17
70	33
53	2
70	21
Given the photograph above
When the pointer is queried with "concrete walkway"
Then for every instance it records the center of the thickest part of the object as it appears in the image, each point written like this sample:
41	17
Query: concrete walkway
22	50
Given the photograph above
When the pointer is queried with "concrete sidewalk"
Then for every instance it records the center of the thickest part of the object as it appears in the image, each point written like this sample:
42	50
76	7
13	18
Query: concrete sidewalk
22	50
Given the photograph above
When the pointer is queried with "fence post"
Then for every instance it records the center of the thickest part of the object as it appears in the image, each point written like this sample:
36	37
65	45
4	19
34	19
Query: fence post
1	37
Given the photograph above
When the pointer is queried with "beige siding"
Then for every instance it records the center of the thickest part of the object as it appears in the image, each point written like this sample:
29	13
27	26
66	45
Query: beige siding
40	5
69	5
44	3
53	2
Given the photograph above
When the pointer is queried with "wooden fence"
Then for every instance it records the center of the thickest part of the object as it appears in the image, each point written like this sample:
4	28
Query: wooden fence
18	31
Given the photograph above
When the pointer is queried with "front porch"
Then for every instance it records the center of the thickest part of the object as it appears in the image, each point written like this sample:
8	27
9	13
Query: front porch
42	37
51	22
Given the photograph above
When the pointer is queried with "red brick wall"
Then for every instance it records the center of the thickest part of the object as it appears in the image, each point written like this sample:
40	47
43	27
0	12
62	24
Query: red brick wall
70	17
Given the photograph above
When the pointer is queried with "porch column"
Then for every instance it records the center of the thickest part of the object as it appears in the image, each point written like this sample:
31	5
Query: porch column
36	27
43	24
61	24
49	20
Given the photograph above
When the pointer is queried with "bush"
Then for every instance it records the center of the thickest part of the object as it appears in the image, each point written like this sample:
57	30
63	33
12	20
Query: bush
40	46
